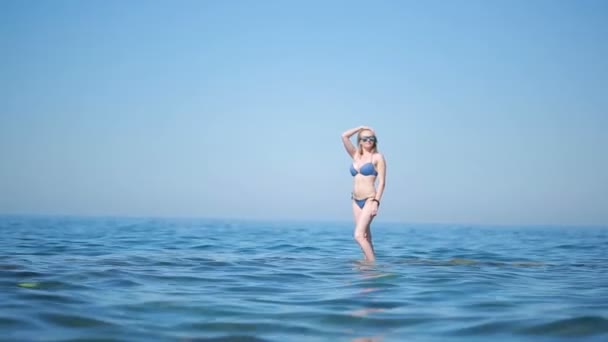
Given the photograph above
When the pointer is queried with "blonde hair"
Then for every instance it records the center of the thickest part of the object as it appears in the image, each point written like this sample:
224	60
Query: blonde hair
360	148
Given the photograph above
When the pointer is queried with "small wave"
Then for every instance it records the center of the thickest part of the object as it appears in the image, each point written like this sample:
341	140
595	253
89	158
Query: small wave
579	326
249	327
360	317
43	285
202	247
51	298
72	320
7	322
227	338
10	267
487	328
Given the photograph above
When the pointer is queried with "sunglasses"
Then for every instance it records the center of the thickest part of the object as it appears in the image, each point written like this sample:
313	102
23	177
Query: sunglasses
366	139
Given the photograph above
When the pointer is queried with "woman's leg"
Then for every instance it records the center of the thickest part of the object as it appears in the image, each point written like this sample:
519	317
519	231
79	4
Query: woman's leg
356	211
362	235
368	234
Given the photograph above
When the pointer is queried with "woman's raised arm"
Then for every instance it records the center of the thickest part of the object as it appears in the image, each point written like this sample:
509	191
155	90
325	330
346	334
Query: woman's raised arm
348	145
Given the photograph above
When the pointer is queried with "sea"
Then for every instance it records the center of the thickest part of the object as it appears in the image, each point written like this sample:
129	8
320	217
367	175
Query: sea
177	279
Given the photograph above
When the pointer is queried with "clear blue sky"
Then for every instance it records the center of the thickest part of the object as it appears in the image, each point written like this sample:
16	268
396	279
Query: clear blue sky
491	112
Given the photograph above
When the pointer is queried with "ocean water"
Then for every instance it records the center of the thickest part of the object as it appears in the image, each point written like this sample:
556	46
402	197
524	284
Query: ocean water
138	279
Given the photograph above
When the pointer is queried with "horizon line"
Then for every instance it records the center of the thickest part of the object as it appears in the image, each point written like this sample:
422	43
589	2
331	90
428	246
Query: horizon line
304	220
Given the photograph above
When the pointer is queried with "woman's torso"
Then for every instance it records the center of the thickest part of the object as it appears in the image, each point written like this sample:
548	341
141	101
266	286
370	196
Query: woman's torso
363	170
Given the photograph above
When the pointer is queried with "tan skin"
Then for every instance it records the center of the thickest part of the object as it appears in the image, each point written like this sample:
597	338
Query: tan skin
364	186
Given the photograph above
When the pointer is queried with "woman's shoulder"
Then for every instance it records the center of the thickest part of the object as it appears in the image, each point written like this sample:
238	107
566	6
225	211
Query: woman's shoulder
377	156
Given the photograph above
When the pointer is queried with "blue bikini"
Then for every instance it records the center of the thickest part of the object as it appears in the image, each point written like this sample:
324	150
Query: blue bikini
366	169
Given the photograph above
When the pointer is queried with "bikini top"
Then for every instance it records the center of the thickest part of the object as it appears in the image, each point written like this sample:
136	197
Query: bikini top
366	169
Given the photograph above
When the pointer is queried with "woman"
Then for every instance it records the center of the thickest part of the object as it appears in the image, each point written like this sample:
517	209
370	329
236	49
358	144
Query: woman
367	167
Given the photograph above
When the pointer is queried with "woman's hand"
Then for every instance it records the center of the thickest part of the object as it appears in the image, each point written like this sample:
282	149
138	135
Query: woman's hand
362	128
375	206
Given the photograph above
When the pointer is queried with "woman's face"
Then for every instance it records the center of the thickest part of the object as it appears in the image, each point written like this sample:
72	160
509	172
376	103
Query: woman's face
367	138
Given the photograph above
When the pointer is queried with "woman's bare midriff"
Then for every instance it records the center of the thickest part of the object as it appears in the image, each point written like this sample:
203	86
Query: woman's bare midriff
363	186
